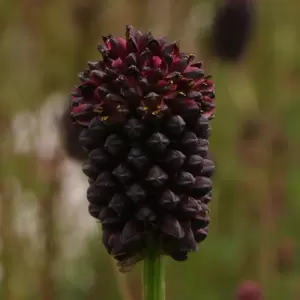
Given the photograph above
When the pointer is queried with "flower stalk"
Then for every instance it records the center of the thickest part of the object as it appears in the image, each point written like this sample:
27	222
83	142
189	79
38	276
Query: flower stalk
154	284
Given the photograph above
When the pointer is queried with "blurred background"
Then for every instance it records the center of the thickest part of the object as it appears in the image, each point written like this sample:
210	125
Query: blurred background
50	246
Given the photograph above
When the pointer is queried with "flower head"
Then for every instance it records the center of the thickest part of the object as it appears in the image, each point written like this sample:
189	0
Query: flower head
232	29
69	137
286	255
249	290
145	110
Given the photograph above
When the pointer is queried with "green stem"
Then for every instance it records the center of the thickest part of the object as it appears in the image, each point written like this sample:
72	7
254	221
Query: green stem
154	284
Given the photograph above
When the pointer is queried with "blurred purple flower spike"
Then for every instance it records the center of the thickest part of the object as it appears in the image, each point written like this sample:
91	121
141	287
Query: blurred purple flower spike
232	29
249	290
69	136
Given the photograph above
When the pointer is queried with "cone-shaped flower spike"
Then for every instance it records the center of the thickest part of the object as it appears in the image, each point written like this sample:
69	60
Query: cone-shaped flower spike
144	109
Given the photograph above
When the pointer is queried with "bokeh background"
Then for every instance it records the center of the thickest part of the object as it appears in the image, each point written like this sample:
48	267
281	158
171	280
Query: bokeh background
51	248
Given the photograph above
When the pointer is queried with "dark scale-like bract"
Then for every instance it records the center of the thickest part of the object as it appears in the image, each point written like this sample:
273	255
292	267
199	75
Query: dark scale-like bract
145	110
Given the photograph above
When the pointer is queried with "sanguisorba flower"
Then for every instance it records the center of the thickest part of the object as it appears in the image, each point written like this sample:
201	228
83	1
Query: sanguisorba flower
232	29
249	290
145	109
69	136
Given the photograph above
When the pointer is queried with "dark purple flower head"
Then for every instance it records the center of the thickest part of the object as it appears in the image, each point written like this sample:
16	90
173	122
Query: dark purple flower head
232	29
249	290
69	136
286	255
144	110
